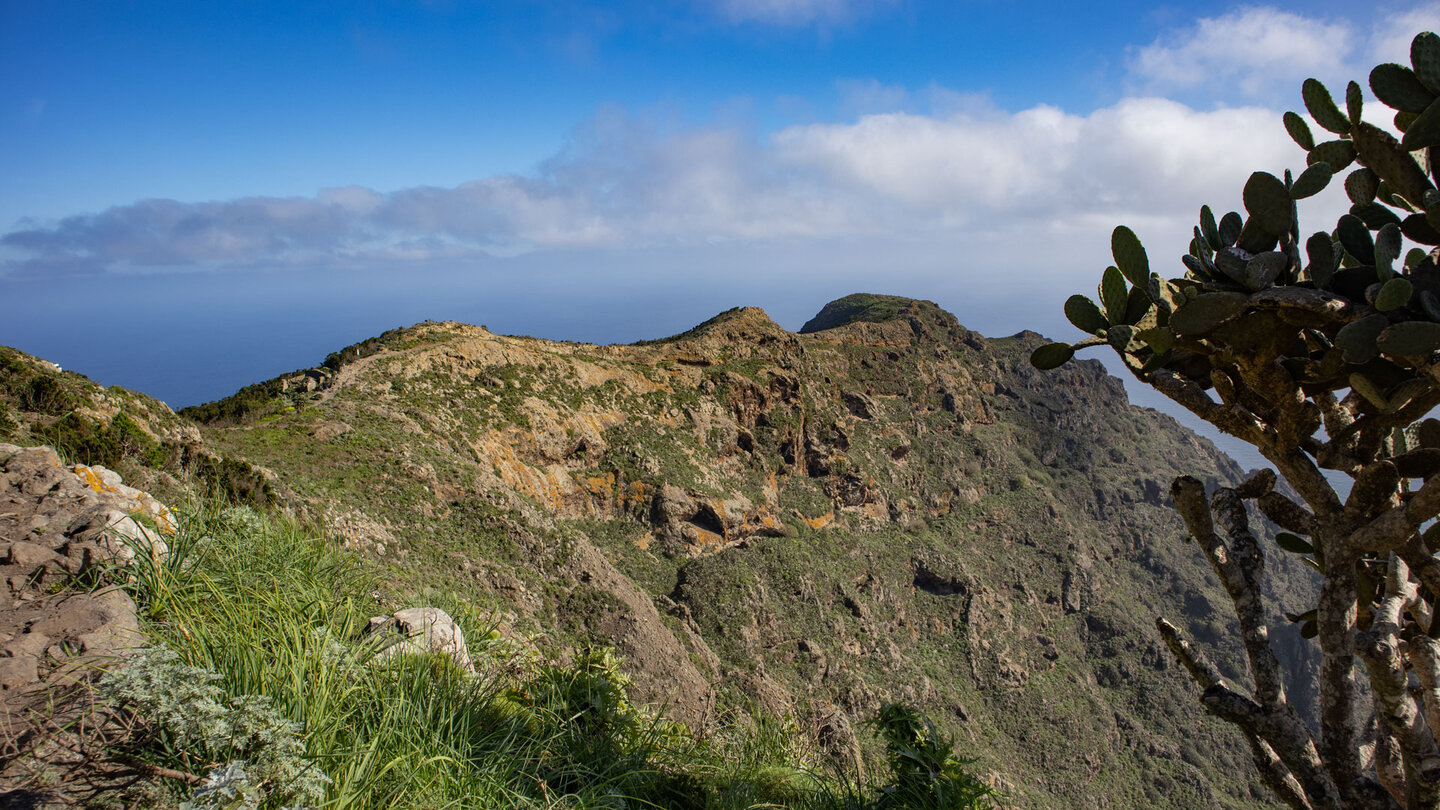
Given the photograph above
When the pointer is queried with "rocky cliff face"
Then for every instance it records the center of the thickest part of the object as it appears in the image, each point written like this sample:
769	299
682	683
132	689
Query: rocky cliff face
883	507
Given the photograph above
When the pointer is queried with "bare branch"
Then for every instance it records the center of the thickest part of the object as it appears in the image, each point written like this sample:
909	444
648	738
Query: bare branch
1424	655
1390	530
1194	661
1299	756
1380	649
1276	776
1287	514
1193	398
1339	695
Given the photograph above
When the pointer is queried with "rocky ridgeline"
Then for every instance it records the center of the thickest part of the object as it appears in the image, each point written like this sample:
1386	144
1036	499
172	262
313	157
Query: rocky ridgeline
884	506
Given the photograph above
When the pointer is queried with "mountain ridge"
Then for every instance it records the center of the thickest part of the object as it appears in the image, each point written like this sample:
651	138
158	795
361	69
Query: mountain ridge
889	508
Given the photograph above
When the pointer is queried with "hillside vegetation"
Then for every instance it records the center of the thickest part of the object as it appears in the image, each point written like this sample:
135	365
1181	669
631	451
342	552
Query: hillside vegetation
798	528
260	675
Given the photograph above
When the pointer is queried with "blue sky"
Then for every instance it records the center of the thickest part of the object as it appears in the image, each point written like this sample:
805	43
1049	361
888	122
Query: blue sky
199	195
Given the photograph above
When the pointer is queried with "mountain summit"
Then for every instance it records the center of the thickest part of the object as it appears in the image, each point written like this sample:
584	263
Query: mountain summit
882	507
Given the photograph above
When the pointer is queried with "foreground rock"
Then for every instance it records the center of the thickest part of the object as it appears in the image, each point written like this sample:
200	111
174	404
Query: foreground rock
57	524
419	631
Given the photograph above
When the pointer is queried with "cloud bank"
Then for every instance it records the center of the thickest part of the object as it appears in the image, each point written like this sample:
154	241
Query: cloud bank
1263	53
625	183
962	172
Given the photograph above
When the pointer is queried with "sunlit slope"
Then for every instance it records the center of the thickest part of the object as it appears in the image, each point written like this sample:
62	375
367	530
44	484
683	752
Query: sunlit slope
888	507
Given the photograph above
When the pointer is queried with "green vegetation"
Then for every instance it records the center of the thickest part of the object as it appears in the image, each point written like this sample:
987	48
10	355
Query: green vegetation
394	339
1330	362
8	426
257	682
89	442
867	307
928	522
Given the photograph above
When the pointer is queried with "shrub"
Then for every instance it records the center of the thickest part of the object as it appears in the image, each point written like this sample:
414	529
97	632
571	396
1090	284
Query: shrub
924	771
44	394
189	715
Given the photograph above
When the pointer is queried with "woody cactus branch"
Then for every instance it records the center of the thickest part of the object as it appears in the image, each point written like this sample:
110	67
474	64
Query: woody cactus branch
1323	353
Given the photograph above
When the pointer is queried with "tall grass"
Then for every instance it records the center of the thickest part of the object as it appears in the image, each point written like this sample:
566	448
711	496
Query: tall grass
274	613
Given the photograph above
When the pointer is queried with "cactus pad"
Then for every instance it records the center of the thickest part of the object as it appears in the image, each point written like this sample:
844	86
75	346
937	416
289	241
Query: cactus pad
1355	238
1418	229
1230	227
1357	338
1114	295
1083	313
1051	355
1321	252
1262	271
1354	102
1387	249
1207	312
1374	215
1394	295
1424	131
1209	229
1391	161
1398	86
1339	154
1160	339
1321	107
1120	336
1410	338
1425	57
1299	131
1268	201
1361	185
1293	544
1130	256
1363	386
1137	305
1312	181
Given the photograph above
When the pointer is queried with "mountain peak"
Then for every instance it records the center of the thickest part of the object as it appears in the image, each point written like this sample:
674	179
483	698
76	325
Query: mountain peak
868	308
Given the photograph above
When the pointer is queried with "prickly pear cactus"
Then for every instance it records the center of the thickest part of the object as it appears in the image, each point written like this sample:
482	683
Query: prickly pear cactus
1252	257
1321	350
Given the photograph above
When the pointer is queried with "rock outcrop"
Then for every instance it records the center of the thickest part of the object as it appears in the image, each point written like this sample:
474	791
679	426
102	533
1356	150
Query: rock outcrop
419	631
60	527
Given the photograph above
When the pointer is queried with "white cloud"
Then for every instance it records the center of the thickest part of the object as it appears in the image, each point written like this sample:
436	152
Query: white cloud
1390	39
1253	49
867	96
966	172
1263	53
629	183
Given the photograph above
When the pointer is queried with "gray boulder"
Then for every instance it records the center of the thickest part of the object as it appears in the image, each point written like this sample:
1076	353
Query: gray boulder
419	631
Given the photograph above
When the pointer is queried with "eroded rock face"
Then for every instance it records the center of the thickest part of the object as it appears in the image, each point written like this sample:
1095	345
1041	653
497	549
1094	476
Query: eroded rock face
55	640
55	523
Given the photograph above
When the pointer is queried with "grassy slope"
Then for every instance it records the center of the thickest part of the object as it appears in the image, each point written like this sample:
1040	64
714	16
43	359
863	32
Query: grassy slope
1031	502
267	678
1001	573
